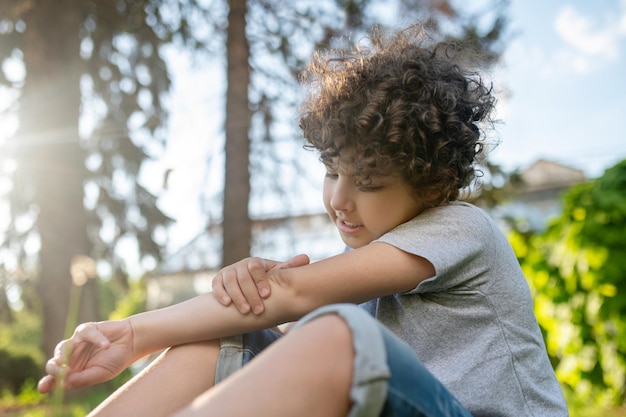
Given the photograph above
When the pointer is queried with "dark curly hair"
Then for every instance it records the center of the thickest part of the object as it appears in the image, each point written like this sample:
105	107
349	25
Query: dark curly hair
406	107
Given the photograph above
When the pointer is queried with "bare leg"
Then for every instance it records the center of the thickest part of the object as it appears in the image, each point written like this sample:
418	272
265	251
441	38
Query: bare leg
306	373
168	384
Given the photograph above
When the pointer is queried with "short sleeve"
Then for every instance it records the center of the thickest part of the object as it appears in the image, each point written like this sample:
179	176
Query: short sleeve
458	239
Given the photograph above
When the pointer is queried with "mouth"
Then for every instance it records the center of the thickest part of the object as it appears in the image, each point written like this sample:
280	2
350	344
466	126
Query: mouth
348	227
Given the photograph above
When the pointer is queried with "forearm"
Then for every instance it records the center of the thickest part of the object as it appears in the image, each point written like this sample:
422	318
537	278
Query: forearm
200	318
353	277
356	276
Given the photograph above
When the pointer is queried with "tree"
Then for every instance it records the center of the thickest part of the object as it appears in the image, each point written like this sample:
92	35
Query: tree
74	190
576	271
237	223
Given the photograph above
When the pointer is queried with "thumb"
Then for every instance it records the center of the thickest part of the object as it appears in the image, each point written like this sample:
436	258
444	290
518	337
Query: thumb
263	286
46	384
298	260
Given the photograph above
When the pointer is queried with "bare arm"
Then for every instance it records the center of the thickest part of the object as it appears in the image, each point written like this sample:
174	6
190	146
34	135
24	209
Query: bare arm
375	270
356	276
102	350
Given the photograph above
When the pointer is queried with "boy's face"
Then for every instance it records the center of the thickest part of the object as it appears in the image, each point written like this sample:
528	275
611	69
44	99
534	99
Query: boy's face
364	212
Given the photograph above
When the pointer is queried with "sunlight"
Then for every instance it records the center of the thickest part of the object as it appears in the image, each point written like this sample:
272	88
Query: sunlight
8	120
8	165
14	71
8	123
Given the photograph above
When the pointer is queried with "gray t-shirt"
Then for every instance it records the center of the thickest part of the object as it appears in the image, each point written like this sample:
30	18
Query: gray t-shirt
472	325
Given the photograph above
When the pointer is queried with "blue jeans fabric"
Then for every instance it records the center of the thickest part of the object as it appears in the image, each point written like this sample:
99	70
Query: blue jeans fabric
389	380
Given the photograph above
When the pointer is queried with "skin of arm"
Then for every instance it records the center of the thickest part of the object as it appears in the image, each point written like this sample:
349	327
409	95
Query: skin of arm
100	351
372	271
245	283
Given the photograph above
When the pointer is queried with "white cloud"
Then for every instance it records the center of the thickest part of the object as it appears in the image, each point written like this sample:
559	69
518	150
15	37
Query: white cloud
583	34
590	36
548	65
587	43
590	42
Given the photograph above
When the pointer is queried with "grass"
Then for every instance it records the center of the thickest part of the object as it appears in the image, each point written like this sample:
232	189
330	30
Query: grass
31	403
77	403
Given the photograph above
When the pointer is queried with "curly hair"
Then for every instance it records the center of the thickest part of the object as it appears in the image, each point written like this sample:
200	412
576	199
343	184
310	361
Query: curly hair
404	107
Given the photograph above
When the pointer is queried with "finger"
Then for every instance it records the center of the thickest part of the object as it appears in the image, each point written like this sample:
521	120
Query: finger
254	284
89	332
58	351
58	364
218	290
231	285
86	377
258	271
263	286
247	272
298	260
62	353
46	384
53	366
56	373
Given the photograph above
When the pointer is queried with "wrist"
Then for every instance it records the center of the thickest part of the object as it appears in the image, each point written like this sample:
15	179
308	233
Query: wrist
137	350
144	337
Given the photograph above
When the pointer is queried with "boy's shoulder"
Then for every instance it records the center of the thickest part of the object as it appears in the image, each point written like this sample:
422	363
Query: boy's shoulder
456	223
457	211
458	218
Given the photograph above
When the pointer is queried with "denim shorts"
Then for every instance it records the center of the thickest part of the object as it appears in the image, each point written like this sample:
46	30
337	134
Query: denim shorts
388	379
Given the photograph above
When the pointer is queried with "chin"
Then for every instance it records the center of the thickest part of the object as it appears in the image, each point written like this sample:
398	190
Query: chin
352	244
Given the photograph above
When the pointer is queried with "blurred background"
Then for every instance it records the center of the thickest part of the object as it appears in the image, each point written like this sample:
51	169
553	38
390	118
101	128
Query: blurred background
143	144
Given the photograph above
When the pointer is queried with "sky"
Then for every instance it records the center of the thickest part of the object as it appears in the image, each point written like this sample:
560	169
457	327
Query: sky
565	75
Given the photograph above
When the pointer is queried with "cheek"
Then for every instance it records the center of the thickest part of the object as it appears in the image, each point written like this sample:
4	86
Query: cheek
390	212
326	194
377	214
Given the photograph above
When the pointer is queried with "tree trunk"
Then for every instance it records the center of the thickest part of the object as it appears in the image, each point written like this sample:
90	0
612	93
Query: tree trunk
236	221
51	158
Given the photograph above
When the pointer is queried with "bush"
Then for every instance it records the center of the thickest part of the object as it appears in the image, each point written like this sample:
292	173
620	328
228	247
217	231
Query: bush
15	370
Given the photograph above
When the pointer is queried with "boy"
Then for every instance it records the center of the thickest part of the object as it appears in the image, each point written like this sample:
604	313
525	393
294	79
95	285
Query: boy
397	130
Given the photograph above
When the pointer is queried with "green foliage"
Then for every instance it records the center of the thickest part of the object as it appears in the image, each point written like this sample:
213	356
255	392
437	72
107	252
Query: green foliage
133	302
23	335
15	370
120	297
32	404
28	396
21	360
576	270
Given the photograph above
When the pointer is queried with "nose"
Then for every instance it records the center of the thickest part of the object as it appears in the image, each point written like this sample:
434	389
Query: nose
341	194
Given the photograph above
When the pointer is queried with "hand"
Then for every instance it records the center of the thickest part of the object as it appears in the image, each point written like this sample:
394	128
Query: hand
246	282
95	353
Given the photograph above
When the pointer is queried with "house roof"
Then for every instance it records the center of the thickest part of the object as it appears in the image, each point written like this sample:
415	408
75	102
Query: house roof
544	174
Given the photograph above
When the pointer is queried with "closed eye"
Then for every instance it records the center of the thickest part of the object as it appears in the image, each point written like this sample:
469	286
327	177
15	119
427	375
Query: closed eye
369	188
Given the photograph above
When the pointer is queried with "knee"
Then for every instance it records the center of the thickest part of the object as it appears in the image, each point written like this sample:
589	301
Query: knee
201	348
330	327
205	352
340	319
323	348
328	334
324	319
